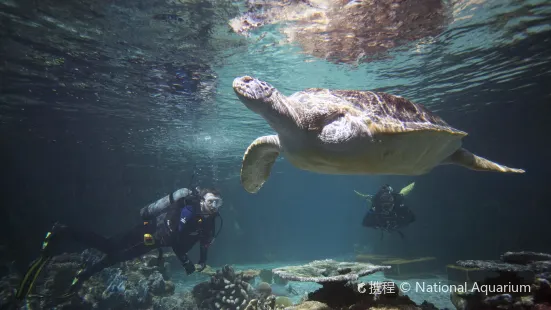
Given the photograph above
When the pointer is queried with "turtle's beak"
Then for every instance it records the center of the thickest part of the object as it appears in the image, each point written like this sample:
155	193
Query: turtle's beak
250	88
242	88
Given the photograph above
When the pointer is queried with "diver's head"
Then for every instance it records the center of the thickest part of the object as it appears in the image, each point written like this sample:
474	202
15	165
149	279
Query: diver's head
211	200
387	188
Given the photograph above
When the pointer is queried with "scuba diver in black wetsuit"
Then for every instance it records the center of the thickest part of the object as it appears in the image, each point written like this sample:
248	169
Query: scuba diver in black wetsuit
178	220
388	211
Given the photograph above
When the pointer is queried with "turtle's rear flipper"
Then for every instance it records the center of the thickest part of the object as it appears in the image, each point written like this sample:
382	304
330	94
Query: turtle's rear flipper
464	158
26	285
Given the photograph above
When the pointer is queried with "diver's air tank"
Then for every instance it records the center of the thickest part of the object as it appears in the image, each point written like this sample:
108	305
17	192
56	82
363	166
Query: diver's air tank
155	208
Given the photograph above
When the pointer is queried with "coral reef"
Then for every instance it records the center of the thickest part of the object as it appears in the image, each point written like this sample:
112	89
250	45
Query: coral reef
520	280
328	270
525	257
340	288
246	275
264	288
225	290
262	304
8	285
282	301
140	284
311	305
231	290
136	284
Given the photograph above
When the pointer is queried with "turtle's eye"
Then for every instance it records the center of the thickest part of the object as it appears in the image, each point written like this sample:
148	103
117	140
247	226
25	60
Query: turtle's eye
266	89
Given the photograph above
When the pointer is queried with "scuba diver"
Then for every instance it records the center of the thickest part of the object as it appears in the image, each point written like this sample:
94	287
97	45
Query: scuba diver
178	220
388	211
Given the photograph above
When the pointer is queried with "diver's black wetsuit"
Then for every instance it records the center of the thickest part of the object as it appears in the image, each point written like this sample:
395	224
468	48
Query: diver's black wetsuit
388	211
179	226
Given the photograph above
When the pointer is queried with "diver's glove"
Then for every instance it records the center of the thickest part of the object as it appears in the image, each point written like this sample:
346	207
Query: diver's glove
189	267
202	267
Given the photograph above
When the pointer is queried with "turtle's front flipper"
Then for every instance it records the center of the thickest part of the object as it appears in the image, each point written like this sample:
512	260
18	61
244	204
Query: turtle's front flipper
257	163
464	158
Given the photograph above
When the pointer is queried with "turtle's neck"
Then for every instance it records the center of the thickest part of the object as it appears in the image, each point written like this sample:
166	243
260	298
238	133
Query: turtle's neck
281	115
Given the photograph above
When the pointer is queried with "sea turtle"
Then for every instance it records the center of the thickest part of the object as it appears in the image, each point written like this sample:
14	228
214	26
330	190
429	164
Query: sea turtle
349	132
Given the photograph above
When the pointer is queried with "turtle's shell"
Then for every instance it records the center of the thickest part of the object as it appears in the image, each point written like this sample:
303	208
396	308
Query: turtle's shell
384	112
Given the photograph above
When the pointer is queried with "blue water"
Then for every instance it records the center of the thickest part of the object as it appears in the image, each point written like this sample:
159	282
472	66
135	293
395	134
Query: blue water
100	117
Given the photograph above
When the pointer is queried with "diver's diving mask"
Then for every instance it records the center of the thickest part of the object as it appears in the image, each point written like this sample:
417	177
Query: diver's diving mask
213	202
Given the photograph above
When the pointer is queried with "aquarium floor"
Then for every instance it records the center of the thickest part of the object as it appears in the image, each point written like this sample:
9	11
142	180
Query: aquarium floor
440	299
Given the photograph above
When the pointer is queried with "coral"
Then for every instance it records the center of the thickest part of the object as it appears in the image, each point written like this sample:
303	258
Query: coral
523	276
328	270
184	301
127	288
133	284
524	257
209	271
225	290
494	265
282	301
264	288
311	305
56	276
247	275
340	289
268	303
8	285
542	288
151	262
229	290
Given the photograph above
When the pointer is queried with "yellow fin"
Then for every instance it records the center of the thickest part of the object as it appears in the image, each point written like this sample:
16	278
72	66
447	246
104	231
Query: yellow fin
369	197
406	190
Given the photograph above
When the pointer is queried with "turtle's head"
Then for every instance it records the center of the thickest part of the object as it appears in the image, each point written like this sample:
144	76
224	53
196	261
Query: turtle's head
253	91
265	100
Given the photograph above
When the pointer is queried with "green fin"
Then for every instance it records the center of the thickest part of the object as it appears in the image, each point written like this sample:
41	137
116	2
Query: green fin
406	190
30	277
